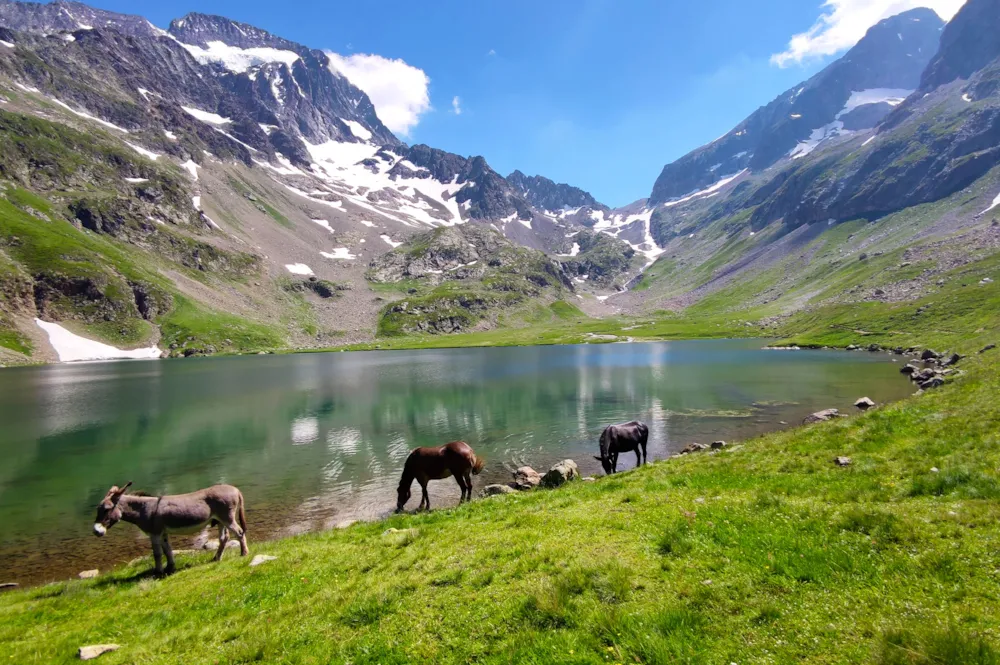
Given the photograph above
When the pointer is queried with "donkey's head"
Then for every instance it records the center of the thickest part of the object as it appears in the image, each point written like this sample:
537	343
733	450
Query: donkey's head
108	512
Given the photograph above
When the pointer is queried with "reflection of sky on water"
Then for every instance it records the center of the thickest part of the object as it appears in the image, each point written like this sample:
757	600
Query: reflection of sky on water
315	439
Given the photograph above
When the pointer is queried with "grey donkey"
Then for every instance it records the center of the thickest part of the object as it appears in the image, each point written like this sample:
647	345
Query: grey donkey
160	516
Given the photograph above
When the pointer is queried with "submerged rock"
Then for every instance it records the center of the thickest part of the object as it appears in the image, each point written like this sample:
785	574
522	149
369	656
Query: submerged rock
561	473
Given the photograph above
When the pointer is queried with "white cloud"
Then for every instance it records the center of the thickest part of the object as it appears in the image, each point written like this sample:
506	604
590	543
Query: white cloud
456	105
492	52
398	90
844	22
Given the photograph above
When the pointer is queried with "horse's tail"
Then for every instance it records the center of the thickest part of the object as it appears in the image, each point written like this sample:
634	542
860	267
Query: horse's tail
478	465
243	515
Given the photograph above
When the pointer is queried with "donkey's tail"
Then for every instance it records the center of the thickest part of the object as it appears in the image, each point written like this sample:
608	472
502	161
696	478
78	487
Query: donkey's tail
243	515
478	465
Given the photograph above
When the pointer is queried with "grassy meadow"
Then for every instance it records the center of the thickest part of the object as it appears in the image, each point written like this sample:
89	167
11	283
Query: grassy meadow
764	552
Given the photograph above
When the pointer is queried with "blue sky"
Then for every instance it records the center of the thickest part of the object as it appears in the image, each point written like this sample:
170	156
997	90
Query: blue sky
597	93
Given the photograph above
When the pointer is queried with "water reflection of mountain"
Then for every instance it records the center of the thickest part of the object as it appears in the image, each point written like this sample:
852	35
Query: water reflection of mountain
314	438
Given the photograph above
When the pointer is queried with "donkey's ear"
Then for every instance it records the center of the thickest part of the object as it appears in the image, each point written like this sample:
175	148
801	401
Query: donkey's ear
121	491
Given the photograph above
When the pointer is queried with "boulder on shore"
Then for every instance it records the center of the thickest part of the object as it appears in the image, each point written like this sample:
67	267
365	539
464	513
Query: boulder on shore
952	360
821	416
88	574
718	445
988	347
93	651
561	473
909	369
261	558
526	478
694	448
935	382
842	461
864	403
496	490
7	586
929	355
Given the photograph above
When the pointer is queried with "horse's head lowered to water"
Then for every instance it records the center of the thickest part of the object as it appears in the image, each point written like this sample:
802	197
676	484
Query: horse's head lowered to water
108	512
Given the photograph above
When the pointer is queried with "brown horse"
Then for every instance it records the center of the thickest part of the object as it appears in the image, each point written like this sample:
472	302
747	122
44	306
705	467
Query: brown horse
160	516
426	464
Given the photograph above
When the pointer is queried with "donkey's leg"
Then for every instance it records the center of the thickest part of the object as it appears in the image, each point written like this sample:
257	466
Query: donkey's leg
614	462
157	552
638	458
644	459
237	530
460	479
169	551
223	539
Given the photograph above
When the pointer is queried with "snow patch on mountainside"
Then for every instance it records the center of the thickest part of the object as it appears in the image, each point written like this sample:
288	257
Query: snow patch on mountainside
205	116
70	347
707	192
358	130
339	253
298	269
891	96
88	116
237	59
142	151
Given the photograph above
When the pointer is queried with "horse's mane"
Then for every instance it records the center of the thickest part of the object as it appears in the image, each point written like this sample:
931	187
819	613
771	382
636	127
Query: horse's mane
138	493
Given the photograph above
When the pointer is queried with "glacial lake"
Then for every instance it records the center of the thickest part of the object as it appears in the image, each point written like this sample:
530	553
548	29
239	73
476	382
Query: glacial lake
316	439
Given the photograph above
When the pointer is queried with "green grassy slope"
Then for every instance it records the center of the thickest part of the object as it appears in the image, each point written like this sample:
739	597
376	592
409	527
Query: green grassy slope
765	552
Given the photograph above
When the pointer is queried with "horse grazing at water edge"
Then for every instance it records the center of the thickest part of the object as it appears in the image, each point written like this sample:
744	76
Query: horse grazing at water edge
160	516
622	438
426	464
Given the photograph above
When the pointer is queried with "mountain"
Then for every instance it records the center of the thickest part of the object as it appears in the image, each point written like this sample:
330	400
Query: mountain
545	194
854	92
968	43
55	17
216	188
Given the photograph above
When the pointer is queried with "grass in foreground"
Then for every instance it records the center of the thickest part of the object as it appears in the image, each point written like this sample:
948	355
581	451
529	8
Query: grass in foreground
764	552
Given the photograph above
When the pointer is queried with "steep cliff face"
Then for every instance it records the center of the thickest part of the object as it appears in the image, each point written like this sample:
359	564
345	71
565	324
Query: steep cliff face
969	43
854	92
546	194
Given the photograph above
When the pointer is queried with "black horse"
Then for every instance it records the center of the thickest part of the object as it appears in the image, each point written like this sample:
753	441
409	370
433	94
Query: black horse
622	439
